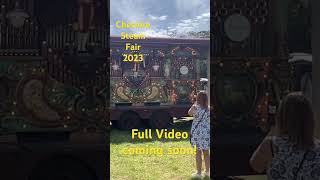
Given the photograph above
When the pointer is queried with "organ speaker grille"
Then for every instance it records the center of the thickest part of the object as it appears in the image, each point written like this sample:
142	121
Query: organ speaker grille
241	28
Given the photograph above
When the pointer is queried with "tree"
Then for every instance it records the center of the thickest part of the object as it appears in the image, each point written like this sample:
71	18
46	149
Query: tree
190	34
200	34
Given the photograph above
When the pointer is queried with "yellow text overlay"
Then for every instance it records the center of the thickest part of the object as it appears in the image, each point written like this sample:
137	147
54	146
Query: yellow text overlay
158	151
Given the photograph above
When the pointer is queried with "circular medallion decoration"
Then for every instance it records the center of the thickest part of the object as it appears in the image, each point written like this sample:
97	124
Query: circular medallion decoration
184	70
237	27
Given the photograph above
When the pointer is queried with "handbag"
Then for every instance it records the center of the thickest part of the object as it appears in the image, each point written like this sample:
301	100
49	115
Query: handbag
196	126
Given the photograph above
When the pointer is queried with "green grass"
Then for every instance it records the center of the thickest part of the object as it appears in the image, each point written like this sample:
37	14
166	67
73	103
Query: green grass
152	166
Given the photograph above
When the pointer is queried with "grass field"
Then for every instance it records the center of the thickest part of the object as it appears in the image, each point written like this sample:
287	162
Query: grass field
153	167
150	166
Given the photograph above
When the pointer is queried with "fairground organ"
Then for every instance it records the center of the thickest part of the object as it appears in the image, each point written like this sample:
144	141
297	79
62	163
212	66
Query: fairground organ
249	59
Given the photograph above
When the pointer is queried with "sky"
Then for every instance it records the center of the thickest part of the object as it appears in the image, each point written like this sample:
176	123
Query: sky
165	16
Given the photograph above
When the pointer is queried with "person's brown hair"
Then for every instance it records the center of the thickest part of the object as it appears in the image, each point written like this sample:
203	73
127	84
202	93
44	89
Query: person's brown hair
202	99
295	120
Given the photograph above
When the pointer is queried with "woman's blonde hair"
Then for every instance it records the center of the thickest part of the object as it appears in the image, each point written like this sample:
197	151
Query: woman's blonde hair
295	120
202	99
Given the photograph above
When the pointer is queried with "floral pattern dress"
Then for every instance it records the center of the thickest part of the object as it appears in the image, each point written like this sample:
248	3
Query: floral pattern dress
201	134
286	161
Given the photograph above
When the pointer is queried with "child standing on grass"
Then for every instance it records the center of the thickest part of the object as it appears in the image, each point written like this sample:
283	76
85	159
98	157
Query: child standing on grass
200	133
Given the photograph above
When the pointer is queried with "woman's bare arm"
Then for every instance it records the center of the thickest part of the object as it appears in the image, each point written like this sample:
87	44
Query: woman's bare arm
192	110
262	156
